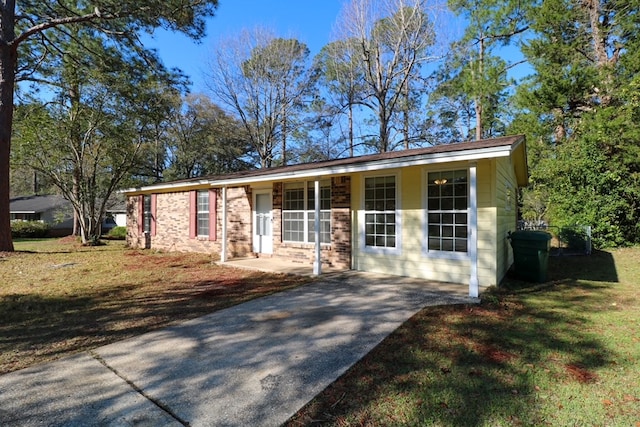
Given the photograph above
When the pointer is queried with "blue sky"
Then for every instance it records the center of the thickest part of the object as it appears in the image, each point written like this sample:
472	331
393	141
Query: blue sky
310	21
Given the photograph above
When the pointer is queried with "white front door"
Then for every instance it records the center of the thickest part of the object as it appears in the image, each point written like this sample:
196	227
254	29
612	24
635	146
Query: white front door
262	223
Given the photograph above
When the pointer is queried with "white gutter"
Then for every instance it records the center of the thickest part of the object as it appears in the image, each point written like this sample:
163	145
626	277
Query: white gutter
416	160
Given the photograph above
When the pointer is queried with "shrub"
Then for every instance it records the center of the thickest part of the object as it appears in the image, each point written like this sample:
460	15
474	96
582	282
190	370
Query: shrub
117	233
29	229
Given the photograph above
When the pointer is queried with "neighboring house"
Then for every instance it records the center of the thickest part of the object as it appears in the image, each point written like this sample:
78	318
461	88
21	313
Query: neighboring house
53	210
118	213
439	213
57	211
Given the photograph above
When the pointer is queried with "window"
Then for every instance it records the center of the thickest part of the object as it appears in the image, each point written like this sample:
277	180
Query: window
146	214
447	214
203	213
380	211
298	212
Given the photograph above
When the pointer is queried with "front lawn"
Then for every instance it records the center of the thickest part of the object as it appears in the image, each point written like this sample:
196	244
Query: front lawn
564	353
58	297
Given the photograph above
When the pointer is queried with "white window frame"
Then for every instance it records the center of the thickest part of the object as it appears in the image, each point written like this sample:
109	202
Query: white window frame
441	254
201	195
397	212
308	215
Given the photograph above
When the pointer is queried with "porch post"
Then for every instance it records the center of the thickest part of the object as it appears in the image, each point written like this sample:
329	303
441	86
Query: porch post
473	231
223	251
317	263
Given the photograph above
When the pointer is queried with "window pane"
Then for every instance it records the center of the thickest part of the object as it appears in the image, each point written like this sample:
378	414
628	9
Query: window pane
434	244
460	189
391	241
447	204
380	206
460	203
461	245
434	218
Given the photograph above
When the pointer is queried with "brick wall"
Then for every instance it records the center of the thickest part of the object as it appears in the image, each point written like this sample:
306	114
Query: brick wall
338	253
172	224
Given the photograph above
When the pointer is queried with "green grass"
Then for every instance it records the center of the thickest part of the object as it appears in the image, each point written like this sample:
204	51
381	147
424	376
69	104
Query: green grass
563	353
58	297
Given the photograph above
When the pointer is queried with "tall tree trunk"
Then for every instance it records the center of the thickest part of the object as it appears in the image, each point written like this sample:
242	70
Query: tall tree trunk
350	130
8	61
480	92
405	113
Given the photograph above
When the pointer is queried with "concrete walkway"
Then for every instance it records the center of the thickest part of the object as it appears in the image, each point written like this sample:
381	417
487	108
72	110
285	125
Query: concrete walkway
253	364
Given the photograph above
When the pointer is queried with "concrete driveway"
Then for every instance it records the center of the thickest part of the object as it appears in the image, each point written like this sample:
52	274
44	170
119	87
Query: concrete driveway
253	364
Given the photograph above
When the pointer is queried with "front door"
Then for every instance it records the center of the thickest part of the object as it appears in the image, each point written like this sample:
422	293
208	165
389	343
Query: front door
262	224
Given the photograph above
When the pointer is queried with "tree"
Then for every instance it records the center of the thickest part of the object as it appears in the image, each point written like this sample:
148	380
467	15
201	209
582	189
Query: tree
474	70
338	69
393	39
581	109
263	80
35	20
87	136
203	140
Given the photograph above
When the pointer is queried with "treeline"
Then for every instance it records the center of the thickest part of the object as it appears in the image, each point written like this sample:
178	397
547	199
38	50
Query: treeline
393	77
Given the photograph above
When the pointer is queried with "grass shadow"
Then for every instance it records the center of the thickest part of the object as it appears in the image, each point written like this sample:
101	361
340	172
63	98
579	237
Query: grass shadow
522	357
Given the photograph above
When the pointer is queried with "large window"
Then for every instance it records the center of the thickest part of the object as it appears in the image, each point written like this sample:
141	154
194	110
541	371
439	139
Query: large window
298	212
380	211
447	216
203	213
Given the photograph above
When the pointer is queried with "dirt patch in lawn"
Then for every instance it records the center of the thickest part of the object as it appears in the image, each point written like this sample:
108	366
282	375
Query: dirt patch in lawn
109	293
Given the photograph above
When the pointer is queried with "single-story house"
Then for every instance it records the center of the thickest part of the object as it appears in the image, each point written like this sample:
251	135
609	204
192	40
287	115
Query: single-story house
440	213
57	212
52	209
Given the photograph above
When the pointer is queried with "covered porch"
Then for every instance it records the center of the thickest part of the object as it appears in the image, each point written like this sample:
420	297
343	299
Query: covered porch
348	277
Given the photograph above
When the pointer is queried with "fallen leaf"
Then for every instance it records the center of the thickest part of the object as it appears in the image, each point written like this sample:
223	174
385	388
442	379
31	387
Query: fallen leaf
629	398
607	402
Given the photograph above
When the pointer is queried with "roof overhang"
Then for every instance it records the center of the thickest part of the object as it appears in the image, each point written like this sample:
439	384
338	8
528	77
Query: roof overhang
516	151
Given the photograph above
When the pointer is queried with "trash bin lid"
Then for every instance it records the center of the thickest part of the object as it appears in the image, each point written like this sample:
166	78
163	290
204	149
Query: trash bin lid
536	235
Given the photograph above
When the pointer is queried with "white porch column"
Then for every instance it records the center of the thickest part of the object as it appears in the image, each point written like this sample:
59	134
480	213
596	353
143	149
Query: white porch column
317	263
223	252
473	231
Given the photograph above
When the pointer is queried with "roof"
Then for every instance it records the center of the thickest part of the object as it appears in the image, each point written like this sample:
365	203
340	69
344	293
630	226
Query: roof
36	204
508	146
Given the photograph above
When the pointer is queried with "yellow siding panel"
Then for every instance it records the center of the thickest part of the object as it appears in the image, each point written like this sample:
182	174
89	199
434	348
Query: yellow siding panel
493	178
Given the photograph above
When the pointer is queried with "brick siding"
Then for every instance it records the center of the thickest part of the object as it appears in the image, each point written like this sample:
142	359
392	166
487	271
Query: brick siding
172	226
336	254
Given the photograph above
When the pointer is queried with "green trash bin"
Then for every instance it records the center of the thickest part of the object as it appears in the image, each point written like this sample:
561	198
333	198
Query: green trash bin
531	254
